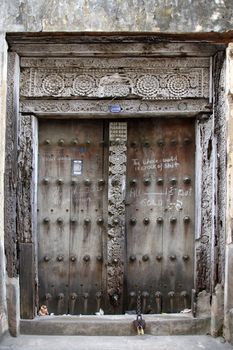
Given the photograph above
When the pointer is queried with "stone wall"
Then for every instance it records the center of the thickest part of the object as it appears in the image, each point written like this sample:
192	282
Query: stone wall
228	297
176	16
3	74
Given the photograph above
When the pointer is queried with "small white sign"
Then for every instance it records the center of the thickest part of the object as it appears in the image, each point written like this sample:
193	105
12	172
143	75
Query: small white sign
77	167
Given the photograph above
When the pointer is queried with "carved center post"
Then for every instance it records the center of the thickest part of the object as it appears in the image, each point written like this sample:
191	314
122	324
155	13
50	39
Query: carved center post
116	213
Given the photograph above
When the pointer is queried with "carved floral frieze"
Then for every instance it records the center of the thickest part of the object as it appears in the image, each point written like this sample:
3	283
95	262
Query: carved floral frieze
148	81
116	211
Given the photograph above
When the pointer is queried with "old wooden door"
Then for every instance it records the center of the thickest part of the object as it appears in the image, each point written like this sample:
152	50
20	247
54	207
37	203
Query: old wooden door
73	216
160	214
71	222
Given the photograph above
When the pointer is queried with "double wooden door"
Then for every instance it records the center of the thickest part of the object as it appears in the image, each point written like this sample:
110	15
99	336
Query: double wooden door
73	217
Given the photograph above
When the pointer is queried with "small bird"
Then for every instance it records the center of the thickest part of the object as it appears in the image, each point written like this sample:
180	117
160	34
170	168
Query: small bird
43	310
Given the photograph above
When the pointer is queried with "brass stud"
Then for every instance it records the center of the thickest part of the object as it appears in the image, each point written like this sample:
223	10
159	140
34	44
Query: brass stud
98	295
87	182
174	142
85	295
73	296
146	143
173	181
132	258
74	142
160	181
99	258
146	221
60	181
133	144
158	295
60	258
173	220
88	142
159	220
100	221
187	141
87	221
46	220
187	180
47	142
60	296
48	296
145	294
160	143
115	261
185	257
172	257
46	258
186	219
86	258
133	221
147	182
73	258
159	257
45	181
61	142
73	221
133	182
101	182
59	221
145	257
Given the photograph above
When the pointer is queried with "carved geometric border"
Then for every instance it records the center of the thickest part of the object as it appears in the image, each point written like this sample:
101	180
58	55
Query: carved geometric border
121	106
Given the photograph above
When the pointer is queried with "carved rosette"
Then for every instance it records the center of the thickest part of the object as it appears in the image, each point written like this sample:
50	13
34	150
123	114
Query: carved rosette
116	211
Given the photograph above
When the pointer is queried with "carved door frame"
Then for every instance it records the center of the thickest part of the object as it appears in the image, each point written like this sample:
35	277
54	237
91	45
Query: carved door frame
23	112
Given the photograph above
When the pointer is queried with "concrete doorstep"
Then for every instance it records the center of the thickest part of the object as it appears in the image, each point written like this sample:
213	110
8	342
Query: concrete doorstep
145	342
115	325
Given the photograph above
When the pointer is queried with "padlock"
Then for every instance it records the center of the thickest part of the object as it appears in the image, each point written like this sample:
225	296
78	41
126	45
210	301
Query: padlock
139	325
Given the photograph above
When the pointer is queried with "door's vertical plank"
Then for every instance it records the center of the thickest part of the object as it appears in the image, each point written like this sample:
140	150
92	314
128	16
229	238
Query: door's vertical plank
88	223
116	214
144	213
54	215
160	188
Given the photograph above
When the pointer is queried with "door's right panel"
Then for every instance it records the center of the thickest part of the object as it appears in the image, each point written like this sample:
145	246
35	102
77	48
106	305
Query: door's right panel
160	214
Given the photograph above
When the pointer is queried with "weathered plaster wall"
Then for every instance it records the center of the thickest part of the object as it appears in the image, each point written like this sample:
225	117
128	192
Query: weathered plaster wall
131	15
228	298
3	74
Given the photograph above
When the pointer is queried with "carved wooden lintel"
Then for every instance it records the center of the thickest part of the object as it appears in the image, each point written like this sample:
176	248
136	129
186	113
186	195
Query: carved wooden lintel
103	107
116	212
155	79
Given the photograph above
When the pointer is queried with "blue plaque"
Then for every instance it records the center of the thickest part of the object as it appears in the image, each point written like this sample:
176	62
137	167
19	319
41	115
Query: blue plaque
115	108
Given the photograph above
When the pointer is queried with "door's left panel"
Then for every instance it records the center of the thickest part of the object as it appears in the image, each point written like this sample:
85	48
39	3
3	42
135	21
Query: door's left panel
71	224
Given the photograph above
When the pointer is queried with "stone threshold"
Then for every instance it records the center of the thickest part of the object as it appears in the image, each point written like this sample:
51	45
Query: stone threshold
115	325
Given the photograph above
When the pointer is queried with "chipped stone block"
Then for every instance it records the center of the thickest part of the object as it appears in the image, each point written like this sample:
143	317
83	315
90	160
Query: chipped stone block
217	311
203	304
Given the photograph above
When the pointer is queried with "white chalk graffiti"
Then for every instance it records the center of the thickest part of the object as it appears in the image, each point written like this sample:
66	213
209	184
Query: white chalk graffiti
170	162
